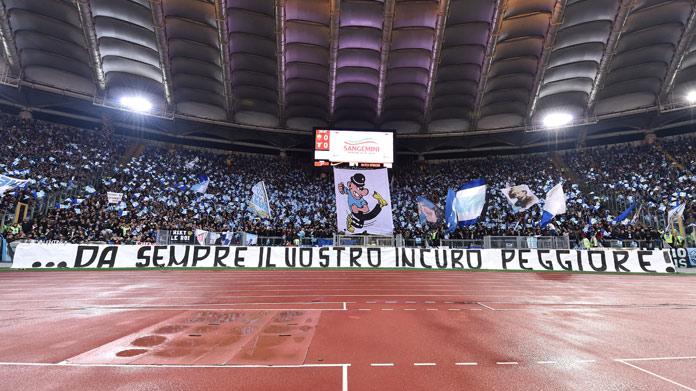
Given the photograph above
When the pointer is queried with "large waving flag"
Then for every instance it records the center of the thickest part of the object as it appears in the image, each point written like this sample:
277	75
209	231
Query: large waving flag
450	215
259	200
468	202
428	212
520	197
624	215
554	205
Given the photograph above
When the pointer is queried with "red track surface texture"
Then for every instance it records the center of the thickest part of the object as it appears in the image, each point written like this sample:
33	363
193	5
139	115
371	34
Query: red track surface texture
345	330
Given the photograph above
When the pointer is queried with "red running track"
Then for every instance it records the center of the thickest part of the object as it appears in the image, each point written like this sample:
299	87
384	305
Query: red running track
345	330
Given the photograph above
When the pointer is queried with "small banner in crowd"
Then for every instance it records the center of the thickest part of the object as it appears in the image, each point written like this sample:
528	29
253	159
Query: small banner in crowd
520	197
114	198
259	201
428	212
201	236
9	183
363	201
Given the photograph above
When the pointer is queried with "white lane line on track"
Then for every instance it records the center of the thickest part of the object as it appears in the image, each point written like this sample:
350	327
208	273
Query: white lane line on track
429	302
454	309
382	364
424	364
485	306
546	362
387	309
585	361
507	362
474	309
391	302
364	309
344	378
409	309
161	366
657	358
466	364
656	375
410	302
431	309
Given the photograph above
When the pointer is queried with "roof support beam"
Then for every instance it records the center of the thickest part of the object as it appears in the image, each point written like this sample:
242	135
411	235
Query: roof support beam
549	40
616	29
85	10
442	13
8	43
679	54
159	23
223	39
488	60
384	59
280	57
333	55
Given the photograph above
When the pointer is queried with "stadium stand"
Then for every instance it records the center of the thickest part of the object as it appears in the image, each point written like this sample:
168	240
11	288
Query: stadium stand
72	169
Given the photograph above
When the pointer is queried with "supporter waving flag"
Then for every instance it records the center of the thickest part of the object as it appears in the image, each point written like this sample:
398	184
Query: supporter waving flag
202	186
428	212
555	204
624	215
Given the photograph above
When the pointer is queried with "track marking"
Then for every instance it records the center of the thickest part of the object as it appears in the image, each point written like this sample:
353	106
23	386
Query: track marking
371	302
391	302
387	309
656	375
454	309
382	364
586	361
466	364
431	309
424	364
72	364
410	302
344	377
546	362
364	309
507	362
409	309
656	358
474	309
485	306
429	302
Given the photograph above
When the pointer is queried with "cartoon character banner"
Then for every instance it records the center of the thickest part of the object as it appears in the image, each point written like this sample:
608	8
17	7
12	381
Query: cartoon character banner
520	197
363	202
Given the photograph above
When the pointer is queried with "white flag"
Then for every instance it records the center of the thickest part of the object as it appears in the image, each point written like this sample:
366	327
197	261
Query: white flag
520	197
114	198
554	205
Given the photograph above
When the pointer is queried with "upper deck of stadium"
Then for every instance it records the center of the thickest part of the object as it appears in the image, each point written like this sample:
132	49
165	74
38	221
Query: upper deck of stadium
446	75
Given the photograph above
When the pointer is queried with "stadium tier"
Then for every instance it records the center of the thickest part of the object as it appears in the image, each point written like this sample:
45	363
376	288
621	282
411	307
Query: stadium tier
70	171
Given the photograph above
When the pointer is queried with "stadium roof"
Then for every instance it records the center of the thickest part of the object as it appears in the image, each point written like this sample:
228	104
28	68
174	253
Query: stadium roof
426	68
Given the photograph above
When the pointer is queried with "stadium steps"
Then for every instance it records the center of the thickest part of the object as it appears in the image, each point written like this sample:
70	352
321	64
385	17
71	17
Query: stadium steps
568	172
132	151
670	157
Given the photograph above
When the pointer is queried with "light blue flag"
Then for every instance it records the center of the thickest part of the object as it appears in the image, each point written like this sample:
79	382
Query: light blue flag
202	186
470	201
259	201
450	215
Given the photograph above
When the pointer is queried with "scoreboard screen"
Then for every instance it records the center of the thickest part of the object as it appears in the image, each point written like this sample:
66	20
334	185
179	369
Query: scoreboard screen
364	148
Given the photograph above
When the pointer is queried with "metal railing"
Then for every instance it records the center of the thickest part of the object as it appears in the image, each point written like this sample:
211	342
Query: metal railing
524	242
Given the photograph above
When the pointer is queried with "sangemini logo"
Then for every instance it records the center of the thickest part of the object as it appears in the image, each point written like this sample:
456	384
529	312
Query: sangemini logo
363	146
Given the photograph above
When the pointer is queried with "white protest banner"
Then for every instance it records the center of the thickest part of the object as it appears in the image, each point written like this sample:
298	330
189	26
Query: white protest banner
42	255
114	198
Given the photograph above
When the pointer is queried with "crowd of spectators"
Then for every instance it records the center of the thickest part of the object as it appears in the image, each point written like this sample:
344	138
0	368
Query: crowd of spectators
76	168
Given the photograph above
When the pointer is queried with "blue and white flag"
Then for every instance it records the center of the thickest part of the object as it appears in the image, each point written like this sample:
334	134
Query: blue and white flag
469	202
90	189
624	215
202	186
450	215
259	201
192	163
428	212
555	204
675	214
9	183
